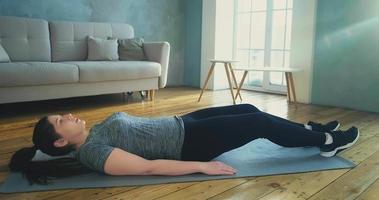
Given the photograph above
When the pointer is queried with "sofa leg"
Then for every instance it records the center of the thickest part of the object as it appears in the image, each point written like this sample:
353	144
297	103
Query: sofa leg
147	94
142	93
152	94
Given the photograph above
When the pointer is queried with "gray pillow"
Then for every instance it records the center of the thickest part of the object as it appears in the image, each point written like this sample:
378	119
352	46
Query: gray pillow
131	49
102	49
3	55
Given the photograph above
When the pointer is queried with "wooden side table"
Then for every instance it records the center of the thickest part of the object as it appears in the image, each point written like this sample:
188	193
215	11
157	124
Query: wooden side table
286	70
227	66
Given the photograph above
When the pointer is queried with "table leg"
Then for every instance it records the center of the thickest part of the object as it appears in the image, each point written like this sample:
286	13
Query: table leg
234	79
207	79
293	88
288	86
241	83
230	82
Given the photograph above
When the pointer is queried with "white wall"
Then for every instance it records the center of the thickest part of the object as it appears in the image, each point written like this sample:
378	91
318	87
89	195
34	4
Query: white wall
224	39
217	40
302	46
207	40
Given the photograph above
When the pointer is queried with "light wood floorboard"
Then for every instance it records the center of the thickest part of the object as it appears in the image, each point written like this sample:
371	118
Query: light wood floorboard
362	182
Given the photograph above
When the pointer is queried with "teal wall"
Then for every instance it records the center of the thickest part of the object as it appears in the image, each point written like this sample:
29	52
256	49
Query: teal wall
152	19
193	43
346	59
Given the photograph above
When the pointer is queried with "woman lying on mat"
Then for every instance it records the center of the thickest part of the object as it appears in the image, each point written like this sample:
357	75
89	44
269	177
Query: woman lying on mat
123	144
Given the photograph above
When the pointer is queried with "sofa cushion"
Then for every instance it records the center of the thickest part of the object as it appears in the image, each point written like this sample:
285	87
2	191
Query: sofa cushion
37	73
3	55
94	71
69	39
102	49
131	49
25	39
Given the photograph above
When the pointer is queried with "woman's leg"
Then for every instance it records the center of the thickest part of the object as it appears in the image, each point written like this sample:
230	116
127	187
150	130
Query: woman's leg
231	110
286	120
222	110
207	138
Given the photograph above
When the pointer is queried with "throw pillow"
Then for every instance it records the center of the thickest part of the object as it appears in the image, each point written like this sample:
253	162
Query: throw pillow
3	55
131	49
102	49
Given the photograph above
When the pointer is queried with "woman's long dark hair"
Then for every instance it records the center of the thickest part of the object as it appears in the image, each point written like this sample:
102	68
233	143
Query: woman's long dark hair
42	172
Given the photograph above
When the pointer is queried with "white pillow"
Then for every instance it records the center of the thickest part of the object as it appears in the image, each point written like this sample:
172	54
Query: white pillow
3	55
102	49
40	156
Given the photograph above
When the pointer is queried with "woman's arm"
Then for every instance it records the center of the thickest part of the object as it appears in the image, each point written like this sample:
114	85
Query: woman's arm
121	162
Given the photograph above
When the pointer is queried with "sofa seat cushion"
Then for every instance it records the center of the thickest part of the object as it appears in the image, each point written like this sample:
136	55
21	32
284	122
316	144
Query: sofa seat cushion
94	71
37	73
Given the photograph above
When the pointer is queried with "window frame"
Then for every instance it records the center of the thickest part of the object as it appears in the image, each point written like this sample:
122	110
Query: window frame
266	85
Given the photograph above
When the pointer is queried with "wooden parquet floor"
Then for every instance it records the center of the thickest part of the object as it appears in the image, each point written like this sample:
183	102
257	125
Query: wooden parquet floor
361	182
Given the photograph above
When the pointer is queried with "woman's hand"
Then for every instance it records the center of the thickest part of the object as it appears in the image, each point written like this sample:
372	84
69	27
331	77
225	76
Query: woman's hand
216	168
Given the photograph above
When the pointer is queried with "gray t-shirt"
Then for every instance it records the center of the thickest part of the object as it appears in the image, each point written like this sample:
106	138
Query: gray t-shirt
150	138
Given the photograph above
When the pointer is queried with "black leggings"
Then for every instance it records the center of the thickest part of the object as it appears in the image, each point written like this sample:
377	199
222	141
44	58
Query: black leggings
212	131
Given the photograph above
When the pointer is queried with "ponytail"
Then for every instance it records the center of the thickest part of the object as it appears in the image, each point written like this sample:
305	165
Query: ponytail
42	172
20	160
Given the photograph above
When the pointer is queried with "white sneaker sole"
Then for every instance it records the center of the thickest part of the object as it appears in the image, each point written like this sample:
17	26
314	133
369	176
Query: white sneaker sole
332	153
336	128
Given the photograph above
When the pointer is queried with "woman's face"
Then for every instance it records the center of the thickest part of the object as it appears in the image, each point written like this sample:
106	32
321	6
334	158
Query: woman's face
67	126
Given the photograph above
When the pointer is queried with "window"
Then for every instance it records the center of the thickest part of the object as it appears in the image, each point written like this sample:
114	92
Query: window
262	34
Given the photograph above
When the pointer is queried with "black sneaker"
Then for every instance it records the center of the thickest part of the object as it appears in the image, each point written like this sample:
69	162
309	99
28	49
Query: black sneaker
341	141
330	126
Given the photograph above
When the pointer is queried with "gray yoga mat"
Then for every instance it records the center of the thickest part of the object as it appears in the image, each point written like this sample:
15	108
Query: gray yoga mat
257	158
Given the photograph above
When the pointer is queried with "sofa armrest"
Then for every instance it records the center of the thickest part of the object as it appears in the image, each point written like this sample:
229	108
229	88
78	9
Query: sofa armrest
159	52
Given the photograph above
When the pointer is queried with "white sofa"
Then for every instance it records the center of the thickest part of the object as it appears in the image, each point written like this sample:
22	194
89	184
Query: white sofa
48	61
